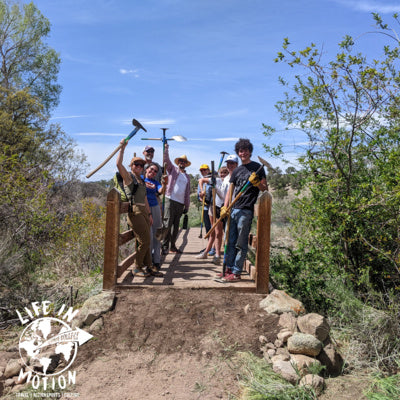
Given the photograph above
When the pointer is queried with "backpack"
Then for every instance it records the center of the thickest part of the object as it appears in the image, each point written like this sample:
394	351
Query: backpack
208	195
119	185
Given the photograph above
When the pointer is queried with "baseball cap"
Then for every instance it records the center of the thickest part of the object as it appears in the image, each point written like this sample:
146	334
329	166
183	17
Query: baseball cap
148	148
204	166
233	158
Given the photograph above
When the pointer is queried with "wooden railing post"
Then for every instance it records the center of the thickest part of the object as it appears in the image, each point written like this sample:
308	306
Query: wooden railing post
111	244
263	243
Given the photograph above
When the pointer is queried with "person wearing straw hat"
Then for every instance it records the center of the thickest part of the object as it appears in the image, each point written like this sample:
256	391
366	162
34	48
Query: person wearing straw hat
177	199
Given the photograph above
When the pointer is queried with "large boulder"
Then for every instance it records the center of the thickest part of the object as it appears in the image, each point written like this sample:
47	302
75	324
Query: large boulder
285	370
279	302
332	360
12	368
303	363
315	325
304	343
289	321
93	308
314	381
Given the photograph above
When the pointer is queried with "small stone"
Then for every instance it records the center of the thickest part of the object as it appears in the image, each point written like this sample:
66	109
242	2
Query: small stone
262	339
314	381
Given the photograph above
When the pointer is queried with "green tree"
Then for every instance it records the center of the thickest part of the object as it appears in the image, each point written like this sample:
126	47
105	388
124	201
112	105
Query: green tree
27	62
33	154
348	223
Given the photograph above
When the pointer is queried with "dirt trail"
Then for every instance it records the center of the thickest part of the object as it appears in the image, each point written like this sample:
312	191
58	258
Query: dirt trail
171	344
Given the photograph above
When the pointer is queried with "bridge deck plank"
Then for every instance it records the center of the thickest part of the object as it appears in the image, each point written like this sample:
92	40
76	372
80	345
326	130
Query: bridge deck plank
184	270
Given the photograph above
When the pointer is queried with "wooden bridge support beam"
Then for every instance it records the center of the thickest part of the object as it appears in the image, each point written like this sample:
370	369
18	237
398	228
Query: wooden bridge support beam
111	246
263	243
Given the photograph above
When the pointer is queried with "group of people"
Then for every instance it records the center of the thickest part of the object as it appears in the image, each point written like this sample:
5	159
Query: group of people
233	220
144	185
147	182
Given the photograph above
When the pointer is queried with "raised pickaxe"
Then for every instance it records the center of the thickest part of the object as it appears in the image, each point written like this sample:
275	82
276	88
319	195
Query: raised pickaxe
161	232
222	159
264	163
137	126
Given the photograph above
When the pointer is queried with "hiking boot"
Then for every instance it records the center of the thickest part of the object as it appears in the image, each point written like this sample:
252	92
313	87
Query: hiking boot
202	256
227	272
211	252
216	260
175	250
139	272
154	272
164	251
231	278
157	266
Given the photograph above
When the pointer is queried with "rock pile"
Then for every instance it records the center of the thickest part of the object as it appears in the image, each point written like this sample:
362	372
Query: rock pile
303	349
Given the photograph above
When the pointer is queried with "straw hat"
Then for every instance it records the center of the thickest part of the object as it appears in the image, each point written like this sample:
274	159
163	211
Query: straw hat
188	163
137	159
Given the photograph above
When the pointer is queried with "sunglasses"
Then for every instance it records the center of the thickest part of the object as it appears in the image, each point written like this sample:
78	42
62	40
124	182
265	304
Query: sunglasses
149	151
136	164
181	160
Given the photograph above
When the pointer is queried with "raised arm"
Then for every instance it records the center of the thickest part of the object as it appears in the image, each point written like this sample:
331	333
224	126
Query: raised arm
120	159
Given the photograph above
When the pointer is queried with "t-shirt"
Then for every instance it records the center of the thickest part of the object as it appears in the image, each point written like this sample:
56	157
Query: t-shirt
152	188
178	191
240	176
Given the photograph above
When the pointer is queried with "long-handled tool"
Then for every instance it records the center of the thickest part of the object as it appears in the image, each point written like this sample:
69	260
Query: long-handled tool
213	191
177	138
223	153
162	231
239	195
137	126
226	242
202	213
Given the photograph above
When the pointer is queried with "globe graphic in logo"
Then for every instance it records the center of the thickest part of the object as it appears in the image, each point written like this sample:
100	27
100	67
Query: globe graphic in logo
45	342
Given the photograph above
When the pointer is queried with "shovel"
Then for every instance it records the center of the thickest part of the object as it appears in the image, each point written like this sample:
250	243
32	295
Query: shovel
162	231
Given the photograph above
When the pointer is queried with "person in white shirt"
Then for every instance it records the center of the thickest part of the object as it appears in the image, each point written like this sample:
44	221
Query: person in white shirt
177	199
222	187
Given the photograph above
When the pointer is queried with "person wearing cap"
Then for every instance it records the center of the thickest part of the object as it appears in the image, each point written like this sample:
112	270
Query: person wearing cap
148	153
177	198
243	210
139	215
222	186
205	173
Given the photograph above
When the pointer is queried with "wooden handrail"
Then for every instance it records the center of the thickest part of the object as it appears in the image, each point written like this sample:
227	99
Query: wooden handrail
114	239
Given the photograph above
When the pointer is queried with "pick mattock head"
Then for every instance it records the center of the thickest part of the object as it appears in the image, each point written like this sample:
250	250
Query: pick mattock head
138	125
266	164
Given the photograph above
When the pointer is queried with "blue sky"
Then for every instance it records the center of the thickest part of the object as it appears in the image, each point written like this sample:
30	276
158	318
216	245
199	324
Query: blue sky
202	68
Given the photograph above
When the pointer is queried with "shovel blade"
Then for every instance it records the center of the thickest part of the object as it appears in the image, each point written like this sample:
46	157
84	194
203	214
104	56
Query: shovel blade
161	233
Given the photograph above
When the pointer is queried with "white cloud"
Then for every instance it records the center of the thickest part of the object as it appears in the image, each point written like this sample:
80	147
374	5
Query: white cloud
134	72
371	6
223	139
97	134
70	117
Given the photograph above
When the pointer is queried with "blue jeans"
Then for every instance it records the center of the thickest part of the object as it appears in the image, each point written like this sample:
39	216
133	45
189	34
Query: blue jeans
238	241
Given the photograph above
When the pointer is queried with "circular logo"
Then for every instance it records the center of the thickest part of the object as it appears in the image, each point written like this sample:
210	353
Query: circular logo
47	343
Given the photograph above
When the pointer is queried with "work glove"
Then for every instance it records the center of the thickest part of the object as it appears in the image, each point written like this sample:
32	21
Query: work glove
164	180
224	212
184	211
254	179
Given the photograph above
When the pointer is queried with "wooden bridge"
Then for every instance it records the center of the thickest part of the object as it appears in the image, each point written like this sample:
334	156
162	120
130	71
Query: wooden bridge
183	270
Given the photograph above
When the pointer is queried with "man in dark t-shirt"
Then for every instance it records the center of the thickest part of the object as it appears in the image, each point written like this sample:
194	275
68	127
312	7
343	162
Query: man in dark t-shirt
243	210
